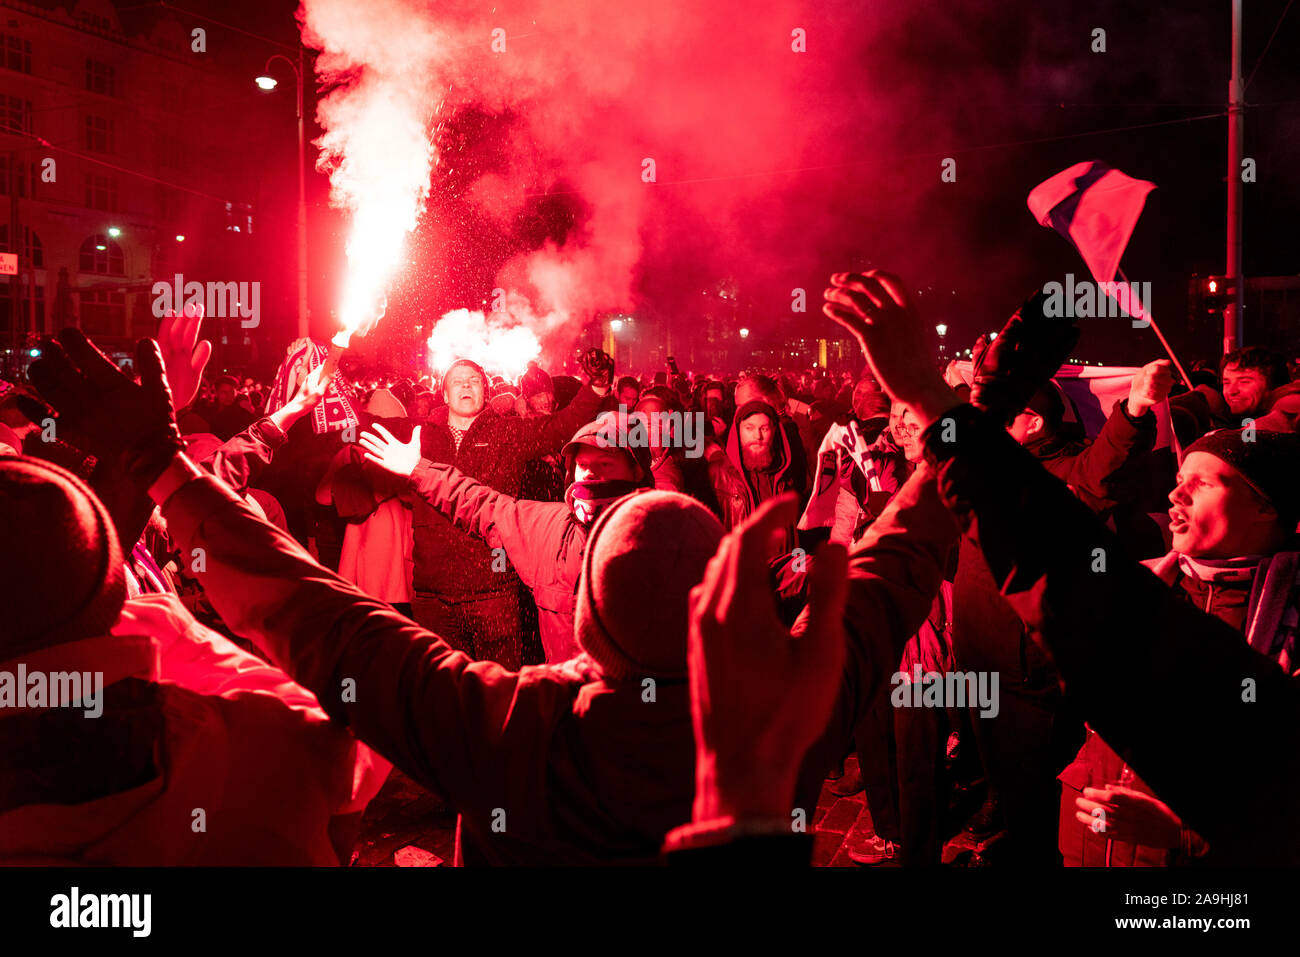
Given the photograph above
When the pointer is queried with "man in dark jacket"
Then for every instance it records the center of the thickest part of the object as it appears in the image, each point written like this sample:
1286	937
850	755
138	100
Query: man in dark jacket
1025	745
543	541
1234	556
458	590
1172	689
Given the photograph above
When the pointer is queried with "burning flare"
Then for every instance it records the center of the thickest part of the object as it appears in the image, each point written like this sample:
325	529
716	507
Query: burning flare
499	344
376	146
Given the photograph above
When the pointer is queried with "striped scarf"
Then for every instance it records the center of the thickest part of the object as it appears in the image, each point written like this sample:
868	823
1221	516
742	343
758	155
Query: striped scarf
333	413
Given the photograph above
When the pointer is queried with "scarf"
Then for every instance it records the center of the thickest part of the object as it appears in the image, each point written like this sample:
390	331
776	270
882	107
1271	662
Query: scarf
335	411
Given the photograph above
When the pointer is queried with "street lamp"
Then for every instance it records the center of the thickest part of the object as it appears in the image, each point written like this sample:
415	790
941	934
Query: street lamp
744	333
268	82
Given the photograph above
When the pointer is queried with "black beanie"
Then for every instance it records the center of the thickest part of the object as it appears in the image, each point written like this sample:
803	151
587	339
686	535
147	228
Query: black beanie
1268	461
65	579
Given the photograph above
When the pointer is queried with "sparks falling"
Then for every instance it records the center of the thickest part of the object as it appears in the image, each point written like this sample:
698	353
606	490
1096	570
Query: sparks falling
376	146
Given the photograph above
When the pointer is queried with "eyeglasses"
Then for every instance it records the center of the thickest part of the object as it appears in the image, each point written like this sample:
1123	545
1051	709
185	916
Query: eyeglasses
902	429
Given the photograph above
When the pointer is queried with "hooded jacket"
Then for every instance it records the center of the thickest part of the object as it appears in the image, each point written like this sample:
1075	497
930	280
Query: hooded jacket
542	540
734	485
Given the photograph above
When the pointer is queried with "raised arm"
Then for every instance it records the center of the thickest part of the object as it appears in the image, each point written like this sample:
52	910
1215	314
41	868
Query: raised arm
445	720
528	531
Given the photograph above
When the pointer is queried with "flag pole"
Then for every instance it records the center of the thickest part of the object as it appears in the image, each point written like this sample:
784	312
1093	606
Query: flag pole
1161	336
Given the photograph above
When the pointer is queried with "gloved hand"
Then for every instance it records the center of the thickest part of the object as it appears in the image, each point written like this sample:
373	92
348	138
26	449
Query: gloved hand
598	366
130	424
1023	357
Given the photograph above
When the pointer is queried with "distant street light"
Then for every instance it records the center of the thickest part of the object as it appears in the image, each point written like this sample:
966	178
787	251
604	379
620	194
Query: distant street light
180	238
616	324
941	329
266	82
114	232
744	333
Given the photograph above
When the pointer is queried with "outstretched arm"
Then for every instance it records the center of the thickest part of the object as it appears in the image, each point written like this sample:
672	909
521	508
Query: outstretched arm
526	530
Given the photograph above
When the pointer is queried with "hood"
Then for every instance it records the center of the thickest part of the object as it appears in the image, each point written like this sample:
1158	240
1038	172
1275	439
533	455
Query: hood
782	446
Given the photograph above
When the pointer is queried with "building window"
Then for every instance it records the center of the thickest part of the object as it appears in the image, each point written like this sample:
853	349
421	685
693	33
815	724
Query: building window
18	113
97	22
14	176
101	192
32	252
101	78
239	218
17	53
99	134
101	256
171	152
103	313
28	315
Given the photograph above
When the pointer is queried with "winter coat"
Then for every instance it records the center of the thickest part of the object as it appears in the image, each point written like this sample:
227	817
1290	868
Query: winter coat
233	737
451	564
542	540
1098	765
733	485
987	634
1159	679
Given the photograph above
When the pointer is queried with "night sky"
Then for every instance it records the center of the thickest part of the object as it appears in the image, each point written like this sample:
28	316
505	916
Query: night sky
1011	90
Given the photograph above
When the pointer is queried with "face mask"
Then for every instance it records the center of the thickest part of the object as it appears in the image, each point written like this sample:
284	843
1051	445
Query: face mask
588	499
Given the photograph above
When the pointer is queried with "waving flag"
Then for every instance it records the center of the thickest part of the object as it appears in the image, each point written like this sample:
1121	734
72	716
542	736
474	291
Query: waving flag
1096	208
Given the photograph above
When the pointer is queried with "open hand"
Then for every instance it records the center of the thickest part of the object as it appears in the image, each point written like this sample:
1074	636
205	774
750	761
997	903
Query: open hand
1133	817
184	356
759	697
388	453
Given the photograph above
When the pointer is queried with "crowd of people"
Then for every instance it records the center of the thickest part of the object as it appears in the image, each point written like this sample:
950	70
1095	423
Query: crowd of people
637	619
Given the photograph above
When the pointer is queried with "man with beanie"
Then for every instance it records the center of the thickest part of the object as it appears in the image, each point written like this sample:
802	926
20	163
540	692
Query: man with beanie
1032	736
459	591
1205	718
544	541
187	729
537	391
1233	518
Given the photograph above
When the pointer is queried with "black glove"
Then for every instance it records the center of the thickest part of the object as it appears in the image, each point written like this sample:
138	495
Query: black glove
131	429
598	367
1023	357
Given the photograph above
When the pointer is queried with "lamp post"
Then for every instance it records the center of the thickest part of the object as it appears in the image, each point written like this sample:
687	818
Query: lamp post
267	82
